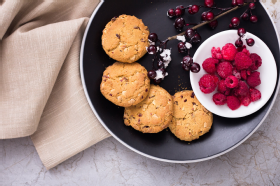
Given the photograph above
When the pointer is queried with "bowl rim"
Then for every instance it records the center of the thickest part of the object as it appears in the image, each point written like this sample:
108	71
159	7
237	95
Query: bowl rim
149	156
211	105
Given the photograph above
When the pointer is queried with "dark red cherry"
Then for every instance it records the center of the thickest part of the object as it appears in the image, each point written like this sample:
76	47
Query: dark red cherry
239	43
209	16
213	24
230	26
209	3
196	38
181	47
195	68
182	8
195	8
185	67
152	49
153	37
252	6
250	42
179	23
235	22
189	33
190	11
203	16
178	12
245	16
171	13
241	32
152	74
188	60
254	19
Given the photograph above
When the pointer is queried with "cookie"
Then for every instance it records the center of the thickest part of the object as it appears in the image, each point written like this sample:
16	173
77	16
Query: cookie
153	114
125	38
190	119
125	84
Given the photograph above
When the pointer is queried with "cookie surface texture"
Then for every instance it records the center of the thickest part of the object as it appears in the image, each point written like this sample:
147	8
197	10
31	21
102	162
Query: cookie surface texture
125	38
153	114
125	84
190	119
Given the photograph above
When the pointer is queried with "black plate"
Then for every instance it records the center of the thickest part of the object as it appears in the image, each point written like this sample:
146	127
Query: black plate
226	133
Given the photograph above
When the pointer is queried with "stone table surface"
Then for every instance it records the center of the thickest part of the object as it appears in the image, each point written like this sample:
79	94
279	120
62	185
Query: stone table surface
255	162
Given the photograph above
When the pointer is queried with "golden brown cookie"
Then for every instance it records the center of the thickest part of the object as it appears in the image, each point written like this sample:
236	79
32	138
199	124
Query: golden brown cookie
125	84
190	119
153	114
125	38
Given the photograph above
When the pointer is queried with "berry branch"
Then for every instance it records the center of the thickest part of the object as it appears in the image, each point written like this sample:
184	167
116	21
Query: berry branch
162	55
207	22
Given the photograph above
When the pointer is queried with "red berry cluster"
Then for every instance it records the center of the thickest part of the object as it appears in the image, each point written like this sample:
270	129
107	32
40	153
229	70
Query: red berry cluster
239	43
247	15
162	60
184	47
234	75
179	11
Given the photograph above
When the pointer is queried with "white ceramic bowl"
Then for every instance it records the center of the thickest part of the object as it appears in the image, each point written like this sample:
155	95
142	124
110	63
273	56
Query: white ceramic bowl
268	74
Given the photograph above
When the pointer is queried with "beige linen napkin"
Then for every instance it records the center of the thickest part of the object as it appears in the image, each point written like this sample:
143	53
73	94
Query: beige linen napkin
40	85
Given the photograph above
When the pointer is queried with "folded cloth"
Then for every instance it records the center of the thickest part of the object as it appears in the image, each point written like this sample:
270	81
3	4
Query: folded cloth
41	93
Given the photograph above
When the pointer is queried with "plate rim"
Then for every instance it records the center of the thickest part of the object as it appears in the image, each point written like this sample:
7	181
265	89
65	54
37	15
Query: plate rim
149	156
196	89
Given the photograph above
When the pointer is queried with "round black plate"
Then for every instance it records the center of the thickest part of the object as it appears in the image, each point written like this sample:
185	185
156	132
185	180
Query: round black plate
225	134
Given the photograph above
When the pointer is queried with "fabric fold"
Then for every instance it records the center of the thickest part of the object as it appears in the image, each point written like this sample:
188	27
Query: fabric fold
40	86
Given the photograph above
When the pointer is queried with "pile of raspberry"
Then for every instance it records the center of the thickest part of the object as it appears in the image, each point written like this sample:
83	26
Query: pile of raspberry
233	72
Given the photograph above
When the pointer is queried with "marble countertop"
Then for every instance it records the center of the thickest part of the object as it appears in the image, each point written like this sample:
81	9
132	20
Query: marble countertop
255	162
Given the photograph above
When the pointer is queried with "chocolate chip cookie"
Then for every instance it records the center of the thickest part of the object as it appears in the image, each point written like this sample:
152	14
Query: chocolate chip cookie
125	84
190	119
153	114
125	38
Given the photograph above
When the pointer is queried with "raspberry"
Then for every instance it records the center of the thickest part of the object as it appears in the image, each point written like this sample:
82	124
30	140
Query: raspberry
224	69
242	61
231	82
207	84
222	88
245	51
236	73
228	92
257	61
254	79
229	51
216	79
255	94
216	53
219	99
242	89
243	74
209	65
246	100
233	102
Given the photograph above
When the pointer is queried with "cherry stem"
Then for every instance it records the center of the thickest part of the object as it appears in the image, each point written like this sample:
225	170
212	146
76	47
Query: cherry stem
206	22
244	12
222	9
164	44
